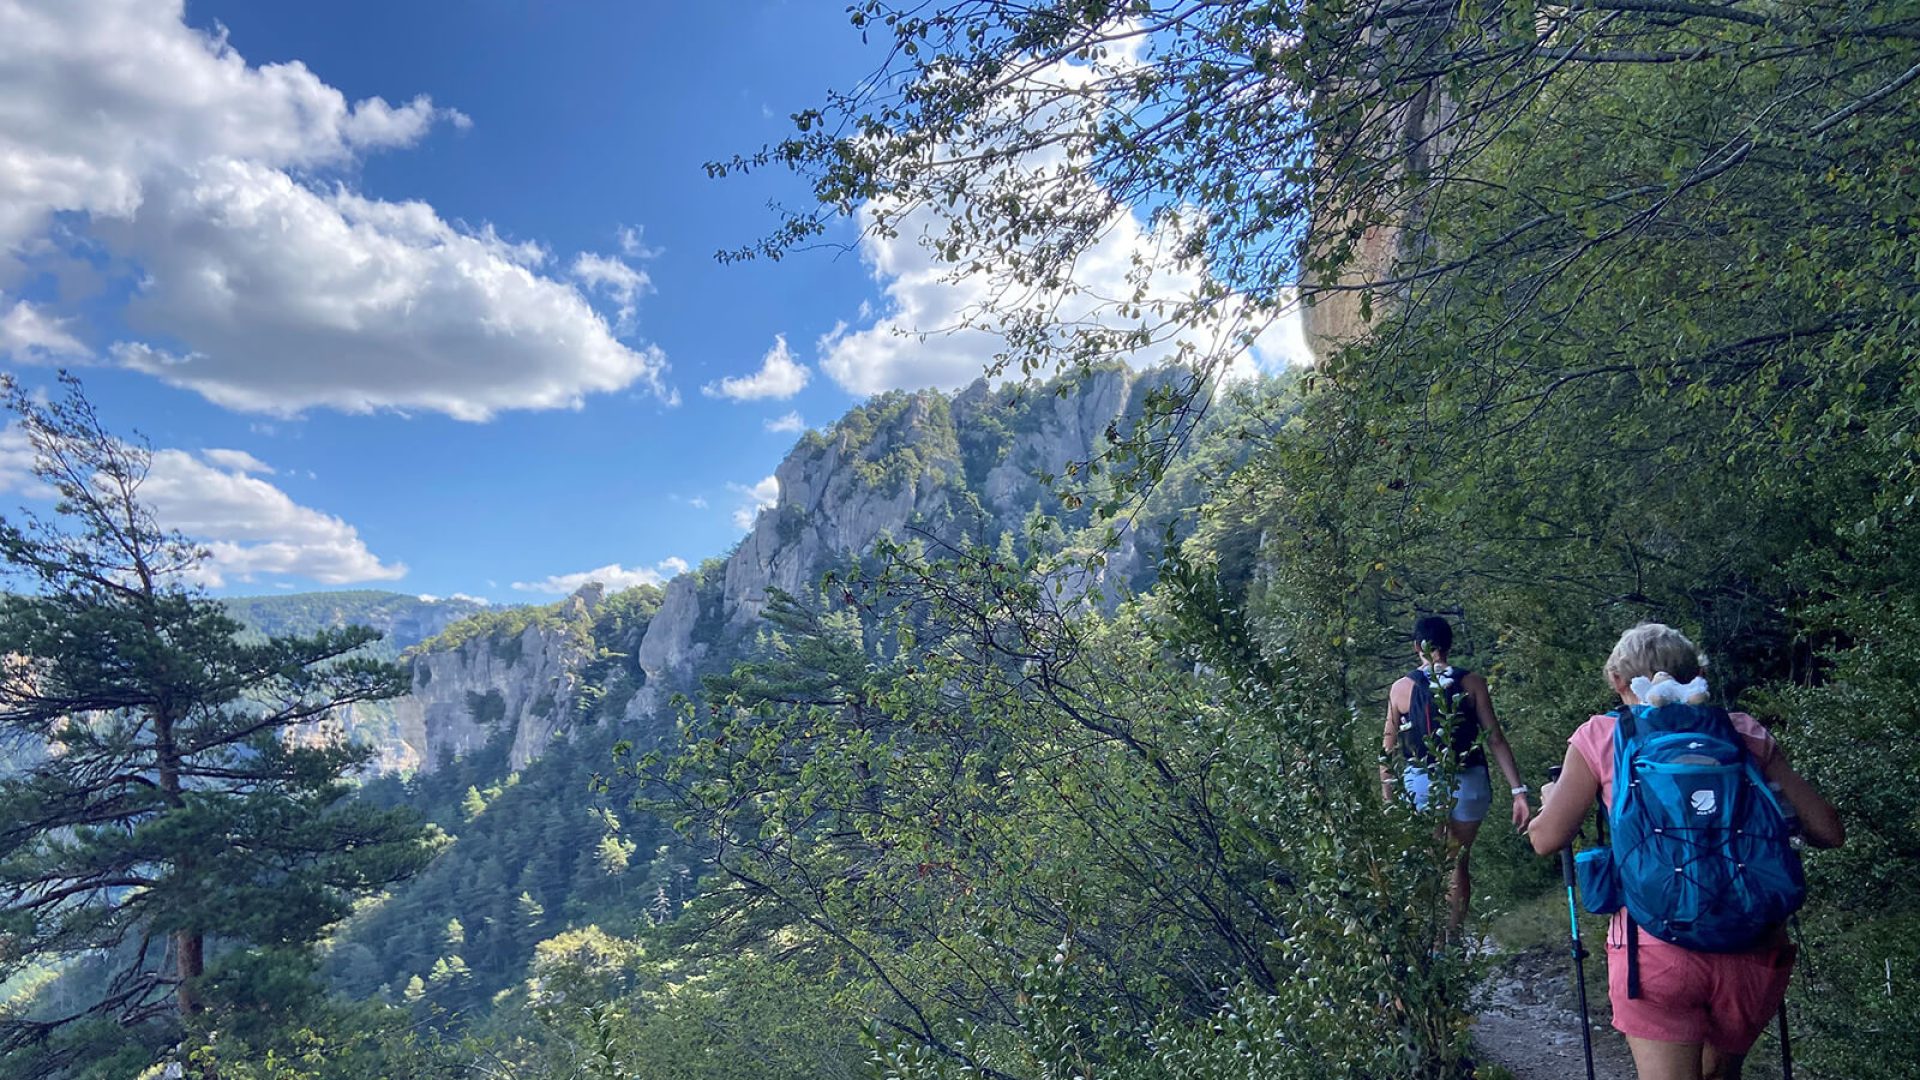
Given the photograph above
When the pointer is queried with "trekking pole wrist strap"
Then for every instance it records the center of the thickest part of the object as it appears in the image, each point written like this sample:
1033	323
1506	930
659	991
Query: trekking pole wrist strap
1521	790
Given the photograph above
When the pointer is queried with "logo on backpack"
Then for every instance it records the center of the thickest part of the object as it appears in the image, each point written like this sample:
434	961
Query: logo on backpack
1703	802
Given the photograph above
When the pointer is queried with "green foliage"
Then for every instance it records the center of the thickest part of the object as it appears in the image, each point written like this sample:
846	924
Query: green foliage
599	1006
526	868
1634	292
171	803
489	710
504	628
1013	780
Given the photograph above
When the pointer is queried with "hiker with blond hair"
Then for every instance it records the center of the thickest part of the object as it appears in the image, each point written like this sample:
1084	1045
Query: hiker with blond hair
1701	873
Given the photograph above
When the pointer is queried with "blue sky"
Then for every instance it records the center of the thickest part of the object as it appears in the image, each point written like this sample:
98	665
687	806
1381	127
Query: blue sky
422	295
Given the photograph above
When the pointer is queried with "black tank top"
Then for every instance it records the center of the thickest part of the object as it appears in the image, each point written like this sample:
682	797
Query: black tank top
1424	720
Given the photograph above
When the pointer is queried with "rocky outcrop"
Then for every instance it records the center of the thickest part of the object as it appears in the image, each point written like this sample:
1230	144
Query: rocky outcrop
902	461
524	683
878	471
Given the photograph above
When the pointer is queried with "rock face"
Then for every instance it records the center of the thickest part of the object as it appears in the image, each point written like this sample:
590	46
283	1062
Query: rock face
881	469
922	460
524	683
1404	143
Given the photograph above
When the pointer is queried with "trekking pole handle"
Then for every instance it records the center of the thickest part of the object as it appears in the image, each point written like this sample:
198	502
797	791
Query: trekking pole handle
1566	853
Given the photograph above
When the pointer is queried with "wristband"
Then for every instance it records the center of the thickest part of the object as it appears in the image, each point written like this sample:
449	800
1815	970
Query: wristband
1521	790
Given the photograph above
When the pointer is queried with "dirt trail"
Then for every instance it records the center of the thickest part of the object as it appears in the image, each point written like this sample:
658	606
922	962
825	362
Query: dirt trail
1529	1022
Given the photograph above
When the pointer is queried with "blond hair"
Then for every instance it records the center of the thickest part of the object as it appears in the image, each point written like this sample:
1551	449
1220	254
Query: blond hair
1655	647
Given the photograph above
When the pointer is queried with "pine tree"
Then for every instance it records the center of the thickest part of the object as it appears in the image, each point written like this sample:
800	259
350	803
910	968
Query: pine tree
531	910
164	805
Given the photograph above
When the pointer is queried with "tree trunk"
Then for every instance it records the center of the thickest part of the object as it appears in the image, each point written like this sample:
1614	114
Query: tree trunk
189	949
189	946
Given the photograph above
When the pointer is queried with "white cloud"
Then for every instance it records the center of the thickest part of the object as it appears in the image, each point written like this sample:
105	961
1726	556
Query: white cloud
790	424
614	576
761	496
779	378
251	528
294	299
104	93
29	335
942	325
16	465
633	243
616	279
698	502
236	461
941	330
272	288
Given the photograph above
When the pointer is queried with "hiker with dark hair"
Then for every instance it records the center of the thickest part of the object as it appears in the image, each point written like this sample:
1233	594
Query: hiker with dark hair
1436	711
1700	874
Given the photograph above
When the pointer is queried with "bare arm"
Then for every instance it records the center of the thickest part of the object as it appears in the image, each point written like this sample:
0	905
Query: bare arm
1564	805
1497	746
1819	821
1390	740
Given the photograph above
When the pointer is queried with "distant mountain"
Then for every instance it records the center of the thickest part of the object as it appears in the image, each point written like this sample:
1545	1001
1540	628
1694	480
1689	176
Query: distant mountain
961	467
405	620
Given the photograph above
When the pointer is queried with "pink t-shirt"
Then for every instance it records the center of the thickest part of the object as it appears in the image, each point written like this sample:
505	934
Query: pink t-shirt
1594	740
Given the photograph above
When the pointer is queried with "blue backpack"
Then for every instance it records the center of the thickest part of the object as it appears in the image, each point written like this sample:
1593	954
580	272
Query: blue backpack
1702	852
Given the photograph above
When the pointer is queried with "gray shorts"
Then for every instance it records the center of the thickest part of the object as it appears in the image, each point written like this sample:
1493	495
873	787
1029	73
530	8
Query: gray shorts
1472	791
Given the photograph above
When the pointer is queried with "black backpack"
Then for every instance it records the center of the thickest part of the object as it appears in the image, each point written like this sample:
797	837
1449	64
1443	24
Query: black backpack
1425	714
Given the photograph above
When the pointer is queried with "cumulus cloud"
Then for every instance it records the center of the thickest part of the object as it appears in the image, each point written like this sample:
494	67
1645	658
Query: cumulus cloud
938	327
615	278
251	528
761	496
938	330
236	461
790	424
779	378
260	283
614	576
30	335
16	465
297	298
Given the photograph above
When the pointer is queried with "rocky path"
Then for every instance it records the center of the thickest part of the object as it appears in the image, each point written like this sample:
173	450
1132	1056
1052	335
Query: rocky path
1529	1022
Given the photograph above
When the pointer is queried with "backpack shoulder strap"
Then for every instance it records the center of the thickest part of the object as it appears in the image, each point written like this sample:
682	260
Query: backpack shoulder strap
1623	727
1623	733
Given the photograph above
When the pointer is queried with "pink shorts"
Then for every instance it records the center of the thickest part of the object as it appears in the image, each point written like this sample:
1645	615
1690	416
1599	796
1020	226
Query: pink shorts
1724	1000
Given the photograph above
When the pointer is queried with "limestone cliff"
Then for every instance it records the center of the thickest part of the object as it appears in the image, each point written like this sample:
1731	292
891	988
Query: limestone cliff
920	460
518	678
952	464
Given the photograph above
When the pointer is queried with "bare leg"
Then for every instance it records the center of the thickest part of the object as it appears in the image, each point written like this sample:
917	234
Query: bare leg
1665	1060
1717	1065
1463	834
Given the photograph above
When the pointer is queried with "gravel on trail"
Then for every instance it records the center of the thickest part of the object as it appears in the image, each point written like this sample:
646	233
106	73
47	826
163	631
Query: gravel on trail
1529	1021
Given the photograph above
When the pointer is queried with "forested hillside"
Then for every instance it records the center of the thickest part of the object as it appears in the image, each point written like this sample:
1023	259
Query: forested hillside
532	849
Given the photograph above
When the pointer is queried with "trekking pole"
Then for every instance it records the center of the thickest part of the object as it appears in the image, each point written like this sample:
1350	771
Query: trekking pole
1786	1045
1579	950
